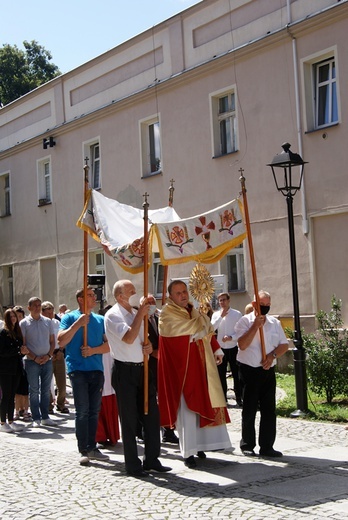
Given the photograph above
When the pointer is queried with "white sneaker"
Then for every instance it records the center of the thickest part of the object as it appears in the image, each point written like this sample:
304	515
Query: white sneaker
48	422
84	460
97	455
36	424
6	428
16	427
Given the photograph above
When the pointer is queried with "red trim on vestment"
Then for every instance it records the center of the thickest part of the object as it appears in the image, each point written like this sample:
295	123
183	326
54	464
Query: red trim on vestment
108	427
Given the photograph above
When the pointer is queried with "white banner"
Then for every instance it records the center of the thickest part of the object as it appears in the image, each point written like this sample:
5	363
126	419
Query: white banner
120	229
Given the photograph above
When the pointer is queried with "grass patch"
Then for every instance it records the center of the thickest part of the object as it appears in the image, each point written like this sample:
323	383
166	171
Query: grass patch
319	410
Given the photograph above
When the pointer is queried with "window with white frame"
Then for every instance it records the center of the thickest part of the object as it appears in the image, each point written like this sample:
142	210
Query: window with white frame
5	195
44	181
326	112
321	90
96	262
236	269
95	166
151	153
100	263
91	151
224	122
158	274
97	267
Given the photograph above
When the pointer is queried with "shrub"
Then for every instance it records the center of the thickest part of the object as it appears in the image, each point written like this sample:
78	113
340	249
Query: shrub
327	353
327	350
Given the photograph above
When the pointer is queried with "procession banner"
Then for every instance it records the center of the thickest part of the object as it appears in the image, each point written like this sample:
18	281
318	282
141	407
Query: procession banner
204	238
119	228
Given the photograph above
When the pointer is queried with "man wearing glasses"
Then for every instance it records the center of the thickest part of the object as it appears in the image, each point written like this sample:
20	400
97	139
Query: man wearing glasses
224	321
85	369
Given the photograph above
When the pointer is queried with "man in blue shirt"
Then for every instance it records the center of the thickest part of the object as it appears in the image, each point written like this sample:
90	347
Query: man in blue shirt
85	369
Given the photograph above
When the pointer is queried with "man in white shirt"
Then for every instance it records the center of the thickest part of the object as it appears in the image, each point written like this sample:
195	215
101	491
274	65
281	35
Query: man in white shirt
224	321
125	333
258	375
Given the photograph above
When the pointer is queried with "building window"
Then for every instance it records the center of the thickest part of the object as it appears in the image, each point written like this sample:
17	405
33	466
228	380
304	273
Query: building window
8	292
92	152
99	263
326	111
97	267
95	166
236	270
224	121
321	90
158	273
5	195
96	262
150	146
44	181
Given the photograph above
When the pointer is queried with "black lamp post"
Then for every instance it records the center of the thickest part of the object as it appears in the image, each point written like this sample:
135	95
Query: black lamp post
287	168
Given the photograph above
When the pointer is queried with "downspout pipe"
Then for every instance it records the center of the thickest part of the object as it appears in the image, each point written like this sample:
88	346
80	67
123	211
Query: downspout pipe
305	223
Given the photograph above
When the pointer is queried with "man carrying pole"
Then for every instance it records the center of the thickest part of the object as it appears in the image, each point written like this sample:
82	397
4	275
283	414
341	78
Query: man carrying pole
258	376
125	331
85	369
256	357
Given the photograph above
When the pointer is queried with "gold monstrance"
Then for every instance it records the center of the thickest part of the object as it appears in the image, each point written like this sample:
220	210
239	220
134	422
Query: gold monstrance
201	286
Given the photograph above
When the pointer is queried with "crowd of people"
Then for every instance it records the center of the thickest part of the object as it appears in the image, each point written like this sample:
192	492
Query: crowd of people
183	360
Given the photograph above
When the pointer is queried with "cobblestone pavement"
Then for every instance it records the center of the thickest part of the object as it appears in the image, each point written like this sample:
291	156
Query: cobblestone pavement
41	478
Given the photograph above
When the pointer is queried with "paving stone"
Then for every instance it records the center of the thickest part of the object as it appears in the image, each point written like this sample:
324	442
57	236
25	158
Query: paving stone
41	478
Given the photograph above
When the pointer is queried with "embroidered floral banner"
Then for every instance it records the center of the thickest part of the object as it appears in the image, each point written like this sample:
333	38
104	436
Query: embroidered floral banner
120	228
204	238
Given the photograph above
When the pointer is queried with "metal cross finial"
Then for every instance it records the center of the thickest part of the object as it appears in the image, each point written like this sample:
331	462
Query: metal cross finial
242	178
171	192
86	169
145	203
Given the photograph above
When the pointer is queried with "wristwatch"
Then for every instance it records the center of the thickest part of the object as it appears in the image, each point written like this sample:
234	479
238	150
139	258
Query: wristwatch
274	354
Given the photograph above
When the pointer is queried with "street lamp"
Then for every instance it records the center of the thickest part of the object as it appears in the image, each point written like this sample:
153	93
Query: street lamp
287	168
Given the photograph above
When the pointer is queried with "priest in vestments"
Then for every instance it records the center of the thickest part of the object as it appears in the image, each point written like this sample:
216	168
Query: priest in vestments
190	394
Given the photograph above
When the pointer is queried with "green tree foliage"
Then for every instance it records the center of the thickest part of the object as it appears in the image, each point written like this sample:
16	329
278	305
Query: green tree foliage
22	71
327	353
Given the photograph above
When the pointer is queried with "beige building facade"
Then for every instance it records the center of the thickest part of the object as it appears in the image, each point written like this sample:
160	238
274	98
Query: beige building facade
215	89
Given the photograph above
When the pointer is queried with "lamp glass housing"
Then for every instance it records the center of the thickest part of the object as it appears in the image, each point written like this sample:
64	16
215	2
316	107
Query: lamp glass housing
287	168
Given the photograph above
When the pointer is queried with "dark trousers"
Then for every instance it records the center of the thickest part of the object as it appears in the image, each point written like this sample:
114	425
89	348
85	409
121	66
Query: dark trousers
259	387
8	384
230	356
87	388
128	382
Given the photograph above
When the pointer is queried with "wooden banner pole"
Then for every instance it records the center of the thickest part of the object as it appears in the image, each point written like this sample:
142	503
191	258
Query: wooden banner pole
165	273
146	292
252	258
85	251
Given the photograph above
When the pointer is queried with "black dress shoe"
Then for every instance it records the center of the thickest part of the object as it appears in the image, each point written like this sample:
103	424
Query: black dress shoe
170	437
249	453
270	453
201	455
190	462
138	473
156	466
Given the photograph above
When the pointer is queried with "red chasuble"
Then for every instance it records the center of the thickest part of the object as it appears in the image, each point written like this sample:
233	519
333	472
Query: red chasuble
182	369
